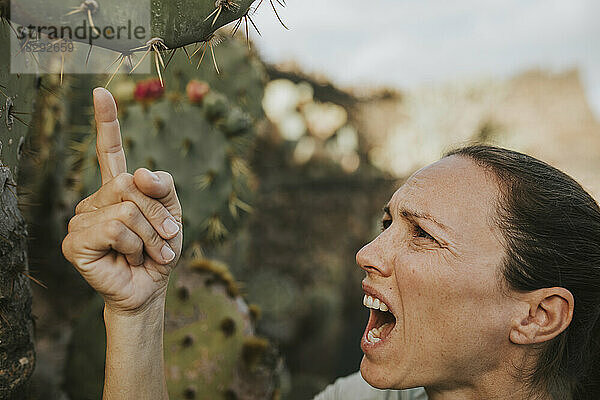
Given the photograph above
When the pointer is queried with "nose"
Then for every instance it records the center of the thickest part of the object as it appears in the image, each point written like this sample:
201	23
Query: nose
371	259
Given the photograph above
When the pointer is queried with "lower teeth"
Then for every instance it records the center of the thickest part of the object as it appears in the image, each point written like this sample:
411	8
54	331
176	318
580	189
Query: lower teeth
373	335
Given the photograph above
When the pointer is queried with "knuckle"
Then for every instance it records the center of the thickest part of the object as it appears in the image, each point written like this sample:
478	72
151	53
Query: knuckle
136	245
168	178
129	211
157	211
139	243
136	259
73	222
66	246
123	182
115	230
68	250
170	181
82	206
155	240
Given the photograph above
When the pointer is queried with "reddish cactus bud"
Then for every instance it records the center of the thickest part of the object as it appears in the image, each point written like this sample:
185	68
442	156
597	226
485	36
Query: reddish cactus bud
150	89
196	90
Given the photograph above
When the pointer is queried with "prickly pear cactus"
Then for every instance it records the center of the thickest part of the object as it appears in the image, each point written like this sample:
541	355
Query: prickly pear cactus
202	140
176	23
242	76
17	357
211	350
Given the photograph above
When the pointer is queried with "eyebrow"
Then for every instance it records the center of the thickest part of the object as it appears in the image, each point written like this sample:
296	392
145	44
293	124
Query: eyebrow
417	214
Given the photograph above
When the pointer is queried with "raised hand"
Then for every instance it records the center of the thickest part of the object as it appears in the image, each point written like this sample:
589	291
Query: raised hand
125	238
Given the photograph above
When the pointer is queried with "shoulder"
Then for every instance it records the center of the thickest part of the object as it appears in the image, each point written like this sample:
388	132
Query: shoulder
354	387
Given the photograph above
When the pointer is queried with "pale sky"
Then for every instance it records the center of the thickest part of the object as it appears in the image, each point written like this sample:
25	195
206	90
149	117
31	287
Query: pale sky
407	43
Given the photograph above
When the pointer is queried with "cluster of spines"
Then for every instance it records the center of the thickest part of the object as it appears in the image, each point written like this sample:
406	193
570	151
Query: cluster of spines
156	45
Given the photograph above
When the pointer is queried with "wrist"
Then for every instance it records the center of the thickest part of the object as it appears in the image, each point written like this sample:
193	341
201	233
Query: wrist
136	334
134	366
154	307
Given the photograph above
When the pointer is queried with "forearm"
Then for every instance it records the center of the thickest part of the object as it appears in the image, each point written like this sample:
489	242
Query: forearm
134	354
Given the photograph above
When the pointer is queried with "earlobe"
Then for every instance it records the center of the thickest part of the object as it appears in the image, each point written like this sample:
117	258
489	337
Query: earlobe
518	336
524	330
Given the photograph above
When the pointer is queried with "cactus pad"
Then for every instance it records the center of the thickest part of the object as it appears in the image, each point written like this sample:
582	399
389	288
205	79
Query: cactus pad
202	144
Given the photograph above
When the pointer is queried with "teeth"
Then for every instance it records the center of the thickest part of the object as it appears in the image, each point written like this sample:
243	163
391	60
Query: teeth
374	303
373	335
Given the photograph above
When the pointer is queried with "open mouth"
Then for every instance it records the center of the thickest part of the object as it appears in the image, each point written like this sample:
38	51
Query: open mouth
381	320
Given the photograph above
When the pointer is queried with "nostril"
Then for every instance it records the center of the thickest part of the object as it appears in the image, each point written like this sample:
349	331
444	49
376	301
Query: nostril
370	257
379	269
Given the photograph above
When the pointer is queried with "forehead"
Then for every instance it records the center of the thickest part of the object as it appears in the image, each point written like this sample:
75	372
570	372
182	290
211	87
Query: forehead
454	191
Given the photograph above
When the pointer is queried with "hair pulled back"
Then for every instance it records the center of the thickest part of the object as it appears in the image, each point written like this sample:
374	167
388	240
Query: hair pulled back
551	227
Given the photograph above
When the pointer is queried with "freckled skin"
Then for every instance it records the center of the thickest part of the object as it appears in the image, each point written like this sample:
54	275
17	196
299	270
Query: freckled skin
453	317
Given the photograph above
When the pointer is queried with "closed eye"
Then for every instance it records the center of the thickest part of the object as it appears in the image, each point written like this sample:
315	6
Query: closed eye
419	232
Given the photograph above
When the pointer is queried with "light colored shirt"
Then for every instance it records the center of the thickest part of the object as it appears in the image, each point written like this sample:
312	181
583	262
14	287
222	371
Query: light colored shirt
354	387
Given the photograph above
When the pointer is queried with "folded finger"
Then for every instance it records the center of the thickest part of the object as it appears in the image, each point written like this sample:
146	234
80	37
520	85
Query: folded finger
160	186
122	188
129	214
92	243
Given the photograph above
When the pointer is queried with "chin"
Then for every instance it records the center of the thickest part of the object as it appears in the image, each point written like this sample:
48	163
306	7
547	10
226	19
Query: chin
374	375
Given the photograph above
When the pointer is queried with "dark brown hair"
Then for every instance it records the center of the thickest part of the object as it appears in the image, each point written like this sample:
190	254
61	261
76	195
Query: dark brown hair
551	227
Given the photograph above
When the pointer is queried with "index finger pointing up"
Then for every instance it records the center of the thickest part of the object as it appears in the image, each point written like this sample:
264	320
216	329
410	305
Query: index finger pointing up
109	148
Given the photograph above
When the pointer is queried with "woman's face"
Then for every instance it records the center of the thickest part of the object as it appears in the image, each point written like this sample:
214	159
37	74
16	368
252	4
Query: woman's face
436	267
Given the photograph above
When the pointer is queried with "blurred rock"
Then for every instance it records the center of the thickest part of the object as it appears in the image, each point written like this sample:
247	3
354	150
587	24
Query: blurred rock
540	113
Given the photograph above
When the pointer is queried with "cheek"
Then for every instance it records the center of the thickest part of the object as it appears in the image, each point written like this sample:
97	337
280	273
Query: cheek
425	294
447	299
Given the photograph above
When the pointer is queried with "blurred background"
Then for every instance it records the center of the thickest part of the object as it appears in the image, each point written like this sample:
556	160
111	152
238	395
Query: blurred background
283	162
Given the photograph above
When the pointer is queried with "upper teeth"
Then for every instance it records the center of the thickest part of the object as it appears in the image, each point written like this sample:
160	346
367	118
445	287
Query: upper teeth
375	303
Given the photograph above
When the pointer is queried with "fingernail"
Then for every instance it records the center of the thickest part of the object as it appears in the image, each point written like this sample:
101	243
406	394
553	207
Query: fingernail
170	227
166	253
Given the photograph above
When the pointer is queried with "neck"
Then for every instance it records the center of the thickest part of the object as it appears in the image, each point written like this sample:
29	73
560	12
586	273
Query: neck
477	393
499	384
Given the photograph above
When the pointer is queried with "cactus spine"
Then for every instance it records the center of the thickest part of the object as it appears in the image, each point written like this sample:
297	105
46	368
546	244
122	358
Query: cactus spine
176	22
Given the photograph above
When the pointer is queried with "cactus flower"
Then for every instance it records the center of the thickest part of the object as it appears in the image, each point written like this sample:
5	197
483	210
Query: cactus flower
196	90
148	90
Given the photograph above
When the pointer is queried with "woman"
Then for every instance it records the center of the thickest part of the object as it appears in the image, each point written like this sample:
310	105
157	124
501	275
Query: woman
484	283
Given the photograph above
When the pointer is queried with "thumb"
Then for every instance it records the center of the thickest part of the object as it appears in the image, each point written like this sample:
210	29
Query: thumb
160	186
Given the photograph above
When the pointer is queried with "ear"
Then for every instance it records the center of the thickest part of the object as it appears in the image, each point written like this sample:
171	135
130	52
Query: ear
545	314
